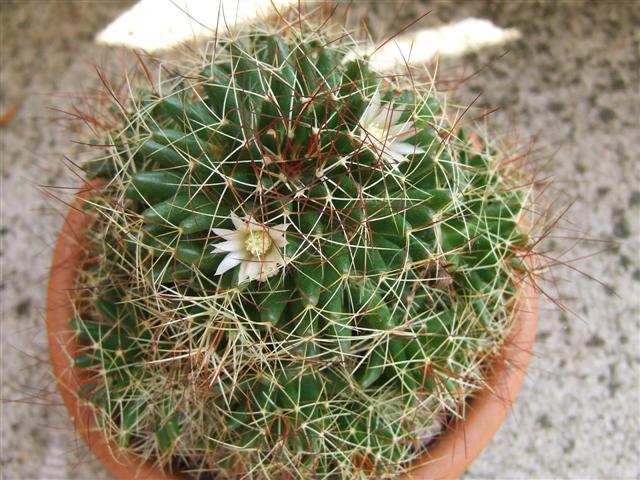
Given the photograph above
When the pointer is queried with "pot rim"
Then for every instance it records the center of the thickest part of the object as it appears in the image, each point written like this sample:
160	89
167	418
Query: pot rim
449	456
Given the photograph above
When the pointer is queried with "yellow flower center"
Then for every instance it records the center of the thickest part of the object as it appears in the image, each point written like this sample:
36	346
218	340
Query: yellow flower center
257	242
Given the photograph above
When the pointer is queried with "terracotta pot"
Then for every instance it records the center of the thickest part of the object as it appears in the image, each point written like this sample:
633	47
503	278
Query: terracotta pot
447	458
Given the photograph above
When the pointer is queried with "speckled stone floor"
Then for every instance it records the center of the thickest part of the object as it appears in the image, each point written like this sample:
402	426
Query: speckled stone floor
572	82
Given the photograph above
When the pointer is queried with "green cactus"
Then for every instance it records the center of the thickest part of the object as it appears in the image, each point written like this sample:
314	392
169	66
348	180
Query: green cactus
297	267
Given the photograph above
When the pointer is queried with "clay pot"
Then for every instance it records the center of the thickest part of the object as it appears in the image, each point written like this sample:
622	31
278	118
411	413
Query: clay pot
447	458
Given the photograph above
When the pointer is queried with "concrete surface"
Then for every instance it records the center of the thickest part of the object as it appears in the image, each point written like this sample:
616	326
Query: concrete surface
572	81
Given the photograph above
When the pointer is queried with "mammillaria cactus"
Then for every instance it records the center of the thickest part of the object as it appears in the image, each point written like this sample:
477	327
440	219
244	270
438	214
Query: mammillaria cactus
297	267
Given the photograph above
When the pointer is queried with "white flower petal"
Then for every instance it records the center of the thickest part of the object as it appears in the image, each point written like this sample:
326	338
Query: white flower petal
277	235
380	122
392	157
404	129
265	273
252	225
226	234
238	222
252	268
228	263
271	264
234	245
385	117
242	272
374	144
372	110
404	135
404	148
273	256
395	116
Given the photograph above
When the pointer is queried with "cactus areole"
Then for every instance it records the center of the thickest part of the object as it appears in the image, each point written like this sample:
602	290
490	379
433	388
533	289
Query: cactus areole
295	267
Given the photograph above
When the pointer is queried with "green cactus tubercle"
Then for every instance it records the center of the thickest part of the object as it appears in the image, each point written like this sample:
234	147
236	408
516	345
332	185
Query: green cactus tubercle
302	265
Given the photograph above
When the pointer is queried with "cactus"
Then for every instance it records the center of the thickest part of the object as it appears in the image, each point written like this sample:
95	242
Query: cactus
298	267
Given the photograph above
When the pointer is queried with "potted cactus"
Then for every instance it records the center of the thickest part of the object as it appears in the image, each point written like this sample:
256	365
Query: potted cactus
287	265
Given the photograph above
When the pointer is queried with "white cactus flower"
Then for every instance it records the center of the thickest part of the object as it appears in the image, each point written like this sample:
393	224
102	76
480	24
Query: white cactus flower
380	131
256	247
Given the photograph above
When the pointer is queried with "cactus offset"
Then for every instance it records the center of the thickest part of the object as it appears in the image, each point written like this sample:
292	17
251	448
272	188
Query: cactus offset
298	266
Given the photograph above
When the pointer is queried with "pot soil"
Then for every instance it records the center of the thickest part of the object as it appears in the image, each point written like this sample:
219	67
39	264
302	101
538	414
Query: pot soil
447	458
